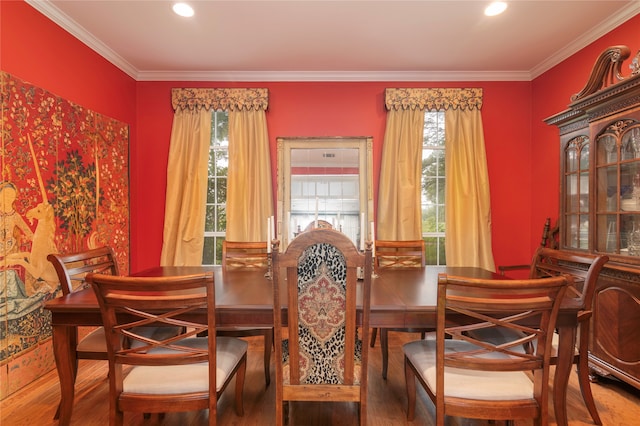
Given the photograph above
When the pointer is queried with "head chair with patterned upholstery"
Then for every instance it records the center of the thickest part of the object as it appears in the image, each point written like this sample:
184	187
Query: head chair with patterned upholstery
315	281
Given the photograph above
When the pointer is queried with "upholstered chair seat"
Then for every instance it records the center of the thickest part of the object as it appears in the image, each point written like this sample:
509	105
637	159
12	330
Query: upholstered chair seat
469	384
190	377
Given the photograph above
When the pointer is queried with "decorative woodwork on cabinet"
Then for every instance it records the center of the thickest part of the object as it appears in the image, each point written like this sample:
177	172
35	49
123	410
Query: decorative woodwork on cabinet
600	205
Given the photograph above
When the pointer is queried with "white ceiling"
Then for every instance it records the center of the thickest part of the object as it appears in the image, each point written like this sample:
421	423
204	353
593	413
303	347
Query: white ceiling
347	40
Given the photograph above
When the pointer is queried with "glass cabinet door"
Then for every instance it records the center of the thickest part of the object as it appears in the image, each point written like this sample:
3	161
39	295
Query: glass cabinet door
576	202
618	188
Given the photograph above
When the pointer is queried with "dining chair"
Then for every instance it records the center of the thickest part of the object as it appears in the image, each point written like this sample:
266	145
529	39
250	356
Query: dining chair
584	270
178	373
72	270
321	224
248	255
470	378
397	254
322	359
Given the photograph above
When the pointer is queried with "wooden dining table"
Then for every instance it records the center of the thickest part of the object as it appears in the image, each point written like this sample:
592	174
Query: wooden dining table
400	298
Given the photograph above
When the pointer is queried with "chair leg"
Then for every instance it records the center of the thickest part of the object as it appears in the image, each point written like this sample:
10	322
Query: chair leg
583	376
240	375
384	346
268	344
374	333
410	381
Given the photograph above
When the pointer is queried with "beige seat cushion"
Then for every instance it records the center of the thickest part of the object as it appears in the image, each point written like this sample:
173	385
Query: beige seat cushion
472	384
190	377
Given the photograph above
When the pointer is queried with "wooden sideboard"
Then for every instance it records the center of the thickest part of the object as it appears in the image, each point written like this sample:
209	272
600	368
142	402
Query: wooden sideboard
600	205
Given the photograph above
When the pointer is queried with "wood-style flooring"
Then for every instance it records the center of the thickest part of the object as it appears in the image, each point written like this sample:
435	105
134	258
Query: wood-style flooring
35	405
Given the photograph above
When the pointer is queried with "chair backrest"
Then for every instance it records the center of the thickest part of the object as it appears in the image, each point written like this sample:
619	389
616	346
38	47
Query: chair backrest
130	304
529	307
583	268
322	224
244	254
320	280
399	254
550	235
72	268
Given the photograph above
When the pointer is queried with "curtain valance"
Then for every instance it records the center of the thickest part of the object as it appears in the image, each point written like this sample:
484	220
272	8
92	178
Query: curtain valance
220	99
433	99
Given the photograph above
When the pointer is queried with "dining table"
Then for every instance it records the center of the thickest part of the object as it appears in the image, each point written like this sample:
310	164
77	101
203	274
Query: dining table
400	298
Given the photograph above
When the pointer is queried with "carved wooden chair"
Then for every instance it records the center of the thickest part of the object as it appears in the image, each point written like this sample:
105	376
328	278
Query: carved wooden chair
248	255
322	224
584	270
179	373
397	254
72	270
322	359
466	377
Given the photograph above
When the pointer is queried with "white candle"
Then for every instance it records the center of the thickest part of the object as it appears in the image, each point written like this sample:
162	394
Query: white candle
373	240
316	219
363	231
272	229
269	235
339	225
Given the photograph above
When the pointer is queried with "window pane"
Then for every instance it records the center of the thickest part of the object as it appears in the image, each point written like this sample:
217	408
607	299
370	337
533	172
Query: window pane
208	253
221	219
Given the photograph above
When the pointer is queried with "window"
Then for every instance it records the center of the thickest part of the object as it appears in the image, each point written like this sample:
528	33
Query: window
216	217
433	181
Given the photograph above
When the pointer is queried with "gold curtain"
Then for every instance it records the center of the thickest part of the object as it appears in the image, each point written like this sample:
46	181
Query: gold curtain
468	216
185	210
184	215
467	195
249	190
399	209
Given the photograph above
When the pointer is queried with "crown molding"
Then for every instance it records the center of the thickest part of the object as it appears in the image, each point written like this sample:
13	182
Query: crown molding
345	76
605	26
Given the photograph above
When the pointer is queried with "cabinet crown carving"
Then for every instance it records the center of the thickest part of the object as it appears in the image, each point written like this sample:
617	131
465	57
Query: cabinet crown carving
605	72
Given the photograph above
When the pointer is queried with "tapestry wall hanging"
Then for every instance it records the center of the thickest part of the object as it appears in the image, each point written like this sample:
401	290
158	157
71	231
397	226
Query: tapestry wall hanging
64	188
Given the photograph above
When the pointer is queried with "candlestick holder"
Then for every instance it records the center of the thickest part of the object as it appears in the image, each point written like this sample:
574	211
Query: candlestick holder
268	274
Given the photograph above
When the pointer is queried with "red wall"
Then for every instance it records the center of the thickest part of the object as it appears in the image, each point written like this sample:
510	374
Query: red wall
343	109
522	151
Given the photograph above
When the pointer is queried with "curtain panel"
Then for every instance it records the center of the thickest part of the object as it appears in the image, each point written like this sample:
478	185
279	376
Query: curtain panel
187	169
468	214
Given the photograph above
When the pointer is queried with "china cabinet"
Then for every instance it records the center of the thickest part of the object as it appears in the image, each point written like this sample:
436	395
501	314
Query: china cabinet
600	204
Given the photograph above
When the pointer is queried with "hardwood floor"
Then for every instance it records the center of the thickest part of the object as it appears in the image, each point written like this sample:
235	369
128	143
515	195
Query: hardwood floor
35	405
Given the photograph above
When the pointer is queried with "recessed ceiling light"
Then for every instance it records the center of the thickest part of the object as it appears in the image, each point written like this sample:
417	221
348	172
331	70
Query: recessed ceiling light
183	9
495	8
